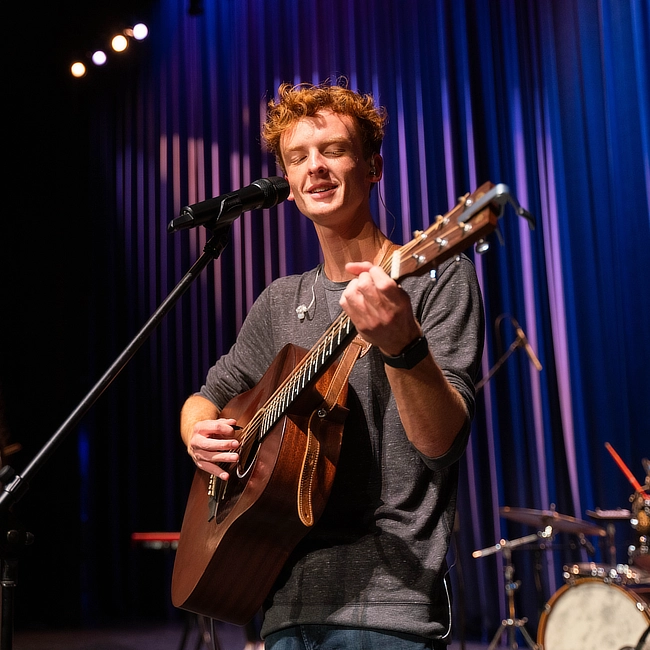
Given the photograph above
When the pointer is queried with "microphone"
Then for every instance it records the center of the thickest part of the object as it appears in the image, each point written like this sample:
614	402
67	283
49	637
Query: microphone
263	193
523	340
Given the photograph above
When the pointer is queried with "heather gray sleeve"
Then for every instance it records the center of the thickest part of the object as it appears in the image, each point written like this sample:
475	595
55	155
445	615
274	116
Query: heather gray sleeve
452	318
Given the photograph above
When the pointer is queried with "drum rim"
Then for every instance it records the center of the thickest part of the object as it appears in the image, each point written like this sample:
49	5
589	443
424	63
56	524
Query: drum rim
548	606
631	576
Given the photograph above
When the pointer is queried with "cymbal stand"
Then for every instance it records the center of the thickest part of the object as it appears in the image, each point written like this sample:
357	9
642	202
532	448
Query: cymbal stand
512	623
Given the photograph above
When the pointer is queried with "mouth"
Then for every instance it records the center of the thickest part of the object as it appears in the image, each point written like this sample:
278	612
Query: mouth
321	189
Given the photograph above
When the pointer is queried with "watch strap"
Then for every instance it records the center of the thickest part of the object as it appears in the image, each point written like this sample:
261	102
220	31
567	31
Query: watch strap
411	355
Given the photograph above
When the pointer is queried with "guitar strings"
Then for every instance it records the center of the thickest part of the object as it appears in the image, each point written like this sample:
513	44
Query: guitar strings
282	397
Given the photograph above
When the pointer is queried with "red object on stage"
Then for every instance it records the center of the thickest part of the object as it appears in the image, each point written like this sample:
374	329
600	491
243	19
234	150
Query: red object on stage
156	539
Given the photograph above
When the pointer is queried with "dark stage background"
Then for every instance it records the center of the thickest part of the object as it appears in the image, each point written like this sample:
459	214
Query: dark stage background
548	97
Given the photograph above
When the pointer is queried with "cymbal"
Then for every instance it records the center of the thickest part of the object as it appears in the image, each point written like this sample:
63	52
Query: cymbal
542	518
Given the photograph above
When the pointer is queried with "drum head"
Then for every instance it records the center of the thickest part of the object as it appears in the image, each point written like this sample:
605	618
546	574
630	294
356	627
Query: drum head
592	615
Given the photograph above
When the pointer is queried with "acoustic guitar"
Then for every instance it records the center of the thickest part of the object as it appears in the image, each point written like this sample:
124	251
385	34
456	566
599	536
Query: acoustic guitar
237	534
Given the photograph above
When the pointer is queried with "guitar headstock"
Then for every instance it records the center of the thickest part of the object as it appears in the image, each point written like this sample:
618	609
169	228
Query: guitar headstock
449	235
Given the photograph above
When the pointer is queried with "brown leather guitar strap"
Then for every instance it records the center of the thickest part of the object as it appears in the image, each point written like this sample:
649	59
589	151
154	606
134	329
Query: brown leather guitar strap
328	417
357	348
323	417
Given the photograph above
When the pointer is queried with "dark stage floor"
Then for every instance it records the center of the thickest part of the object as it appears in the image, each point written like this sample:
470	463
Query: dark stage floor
162	637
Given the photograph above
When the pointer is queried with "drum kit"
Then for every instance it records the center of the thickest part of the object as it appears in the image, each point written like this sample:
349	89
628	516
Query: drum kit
599	606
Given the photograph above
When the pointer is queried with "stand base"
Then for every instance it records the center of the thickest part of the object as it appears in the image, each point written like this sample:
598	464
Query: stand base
511	624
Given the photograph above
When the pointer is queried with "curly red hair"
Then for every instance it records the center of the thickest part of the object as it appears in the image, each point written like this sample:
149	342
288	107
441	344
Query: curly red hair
305	100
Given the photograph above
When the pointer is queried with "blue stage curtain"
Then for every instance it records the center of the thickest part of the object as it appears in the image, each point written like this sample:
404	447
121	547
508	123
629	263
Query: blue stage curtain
550	98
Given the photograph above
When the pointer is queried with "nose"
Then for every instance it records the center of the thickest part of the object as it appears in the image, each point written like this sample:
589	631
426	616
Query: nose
317	164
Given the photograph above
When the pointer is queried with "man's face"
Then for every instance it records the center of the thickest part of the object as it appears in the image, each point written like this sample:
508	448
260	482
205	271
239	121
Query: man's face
329	179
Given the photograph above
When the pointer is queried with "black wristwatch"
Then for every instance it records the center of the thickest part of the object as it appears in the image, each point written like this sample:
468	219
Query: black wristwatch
411	355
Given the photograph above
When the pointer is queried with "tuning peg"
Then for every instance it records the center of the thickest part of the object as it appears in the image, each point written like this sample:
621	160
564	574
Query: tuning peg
482	246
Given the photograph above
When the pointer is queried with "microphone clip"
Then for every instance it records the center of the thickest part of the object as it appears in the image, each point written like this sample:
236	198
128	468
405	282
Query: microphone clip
301	310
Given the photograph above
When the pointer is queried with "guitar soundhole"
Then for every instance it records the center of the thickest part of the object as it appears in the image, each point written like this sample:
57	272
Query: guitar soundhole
239	476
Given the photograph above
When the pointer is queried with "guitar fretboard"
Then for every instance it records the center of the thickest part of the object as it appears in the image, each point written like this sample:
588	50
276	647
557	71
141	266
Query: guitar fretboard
317	360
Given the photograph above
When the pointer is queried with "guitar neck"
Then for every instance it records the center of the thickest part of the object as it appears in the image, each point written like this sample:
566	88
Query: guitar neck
318	359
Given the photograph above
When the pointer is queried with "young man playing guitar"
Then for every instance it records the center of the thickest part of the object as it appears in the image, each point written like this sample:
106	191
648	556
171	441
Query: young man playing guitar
371	571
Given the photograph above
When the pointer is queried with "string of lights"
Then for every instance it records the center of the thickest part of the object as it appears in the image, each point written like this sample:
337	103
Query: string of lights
119	43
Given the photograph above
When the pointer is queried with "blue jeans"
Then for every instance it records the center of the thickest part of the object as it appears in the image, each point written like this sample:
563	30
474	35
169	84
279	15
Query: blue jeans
331	637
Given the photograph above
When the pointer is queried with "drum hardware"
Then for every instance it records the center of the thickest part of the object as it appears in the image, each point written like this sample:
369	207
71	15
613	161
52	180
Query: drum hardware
600	607
639	553
586	544
641	518
619	514
619	574
512	623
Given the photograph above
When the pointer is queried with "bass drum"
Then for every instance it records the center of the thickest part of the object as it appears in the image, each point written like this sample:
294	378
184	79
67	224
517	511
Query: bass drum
590	614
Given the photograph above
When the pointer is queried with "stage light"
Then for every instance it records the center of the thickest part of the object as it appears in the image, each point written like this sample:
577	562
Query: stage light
99	58
140	31
78	69
119	43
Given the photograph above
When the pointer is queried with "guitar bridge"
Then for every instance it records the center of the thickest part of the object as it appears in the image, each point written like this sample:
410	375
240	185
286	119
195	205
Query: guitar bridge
216	492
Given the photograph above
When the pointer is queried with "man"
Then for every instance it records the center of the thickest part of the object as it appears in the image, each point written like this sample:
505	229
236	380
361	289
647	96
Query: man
371	573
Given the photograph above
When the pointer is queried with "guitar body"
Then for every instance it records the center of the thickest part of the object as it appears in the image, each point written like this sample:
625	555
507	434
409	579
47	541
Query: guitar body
225	567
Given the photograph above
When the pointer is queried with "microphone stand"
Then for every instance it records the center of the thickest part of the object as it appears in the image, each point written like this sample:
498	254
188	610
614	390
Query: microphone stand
492	371
12	538
520	341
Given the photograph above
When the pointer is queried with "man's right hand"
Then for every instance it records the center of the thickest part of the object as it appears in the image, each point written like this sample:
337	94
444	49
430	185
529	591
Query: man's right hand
209	439
212	442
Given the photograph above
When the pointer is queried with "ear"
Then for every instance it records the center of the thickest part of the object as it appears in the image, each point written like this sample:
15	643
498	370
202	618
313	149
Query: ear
290	197
376	168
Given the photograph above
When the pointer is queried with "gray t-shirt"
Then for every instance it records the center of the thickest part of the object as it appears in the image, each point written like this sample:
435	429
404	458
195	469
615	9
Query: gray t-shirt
376	557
